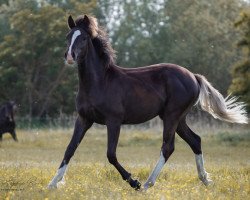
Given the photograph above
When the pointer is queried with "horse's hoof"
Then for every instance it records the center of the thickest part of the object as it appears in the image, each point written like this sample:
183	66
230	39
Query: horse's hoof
206	179
56	185
134	184
207	182
148	185
137	185
52	186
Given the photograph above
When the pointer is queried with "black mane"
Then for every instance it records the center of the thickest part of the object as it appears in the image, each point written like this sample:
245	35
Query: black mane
99	39
104	48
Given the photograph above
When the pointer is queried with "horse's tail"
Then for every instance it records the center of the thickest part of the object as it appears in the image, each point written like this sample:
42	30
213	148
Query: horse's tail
226	109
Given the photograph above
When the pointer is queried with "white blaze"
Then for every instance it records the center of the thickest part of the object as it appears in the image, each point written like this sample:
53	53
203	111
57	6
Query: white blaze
75	35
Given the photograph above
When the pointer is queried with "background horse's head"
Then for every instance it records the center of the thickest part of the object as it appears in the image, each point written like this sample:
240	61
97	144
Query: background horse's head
7	111
82	30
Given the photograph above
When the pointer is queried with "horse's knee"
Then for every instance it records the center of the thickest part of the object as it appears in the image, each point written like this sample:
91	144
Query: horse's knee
111	158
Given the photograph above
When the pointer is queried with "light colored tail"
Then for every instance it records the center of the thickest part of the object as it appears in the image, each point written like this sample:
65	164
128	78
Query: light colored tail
226	109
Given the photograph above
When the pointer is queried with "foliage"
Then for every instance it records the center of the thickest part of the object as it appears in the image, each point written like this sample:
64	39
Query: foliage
31	57
196	34
241	70
233	139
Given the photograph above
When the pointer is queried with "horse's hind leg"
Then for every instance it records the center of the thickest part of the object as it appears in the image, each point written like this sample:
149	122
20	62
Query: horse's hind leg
194	142
170	122
81	126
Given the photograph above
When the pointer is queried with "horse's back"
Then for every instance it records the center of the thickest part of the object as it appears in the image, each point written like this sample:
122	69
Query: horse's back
167	75
150	89
166	70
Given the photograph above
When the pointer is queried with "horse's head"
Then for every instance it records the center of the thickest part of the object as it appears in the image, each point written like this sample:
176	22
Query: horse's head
8	110
82	30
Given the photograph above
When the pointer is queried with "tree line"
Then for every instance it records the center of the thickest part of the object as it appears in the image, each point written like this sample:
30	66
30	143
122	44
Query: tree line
197	34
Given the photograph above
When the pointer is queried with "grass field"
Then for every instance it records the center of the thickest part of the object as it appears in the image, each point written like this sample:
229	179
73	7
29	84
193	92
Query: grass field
27	167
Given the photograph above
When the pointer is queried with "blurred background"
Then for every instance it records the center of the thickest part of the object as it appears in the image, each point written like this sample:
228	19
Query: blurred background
207	37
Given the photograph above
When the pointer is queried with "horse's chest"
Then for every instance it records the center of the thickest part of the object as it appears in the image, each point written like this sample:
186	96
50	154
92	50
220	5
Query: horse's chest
7	127
90	112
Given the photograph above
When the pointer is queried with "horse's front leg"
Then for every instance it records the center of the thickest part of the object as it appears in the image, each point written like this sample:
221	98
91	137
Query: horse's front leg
81	126
113	136
13	134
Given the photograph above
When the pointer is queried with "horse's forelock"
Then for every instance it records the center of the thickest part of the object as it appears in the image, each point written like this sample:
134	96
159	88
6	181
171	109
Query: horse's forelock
91	26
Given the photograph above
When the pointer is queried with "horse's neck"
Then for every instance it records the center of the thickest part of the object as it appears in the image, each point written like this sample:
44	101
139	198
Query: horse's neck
91	70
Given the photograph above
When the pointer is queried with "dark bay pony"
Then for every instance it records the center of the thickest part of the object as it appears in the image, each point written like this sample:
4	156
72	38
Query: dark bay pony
7	121
112	96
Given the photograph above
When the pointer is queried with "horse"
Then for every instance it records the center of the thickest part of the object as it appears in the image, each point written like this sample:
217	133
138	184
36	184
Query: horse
111	95
7	121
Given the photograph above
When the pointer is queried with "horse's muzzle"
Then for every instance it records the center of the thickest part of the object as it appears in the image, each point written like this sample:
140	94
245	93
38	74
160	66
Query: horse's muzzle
70	59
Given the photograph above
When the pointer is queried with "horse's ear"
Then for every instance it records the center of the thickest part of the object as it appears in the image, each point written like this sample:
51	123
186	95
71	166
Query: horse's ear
71	22
86	20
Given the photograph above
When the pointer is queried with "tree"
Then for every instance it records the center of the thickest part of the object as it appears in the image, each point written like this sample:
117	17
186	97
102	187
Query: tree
203	41
196	34
32	69
240	85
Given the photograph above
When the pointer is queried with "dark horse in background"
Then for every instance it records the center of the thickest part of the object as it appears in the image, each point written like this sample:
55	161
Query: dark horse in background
112	96
7	122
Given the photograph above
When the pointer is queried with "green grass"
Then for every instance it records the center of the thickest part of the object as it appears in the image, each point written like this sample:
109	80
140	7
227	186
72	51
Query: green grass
27	167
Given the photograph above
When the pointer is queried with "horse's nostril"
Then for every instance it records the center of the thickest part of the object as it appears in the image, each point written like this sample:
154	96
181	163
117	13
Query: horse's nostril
73	55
